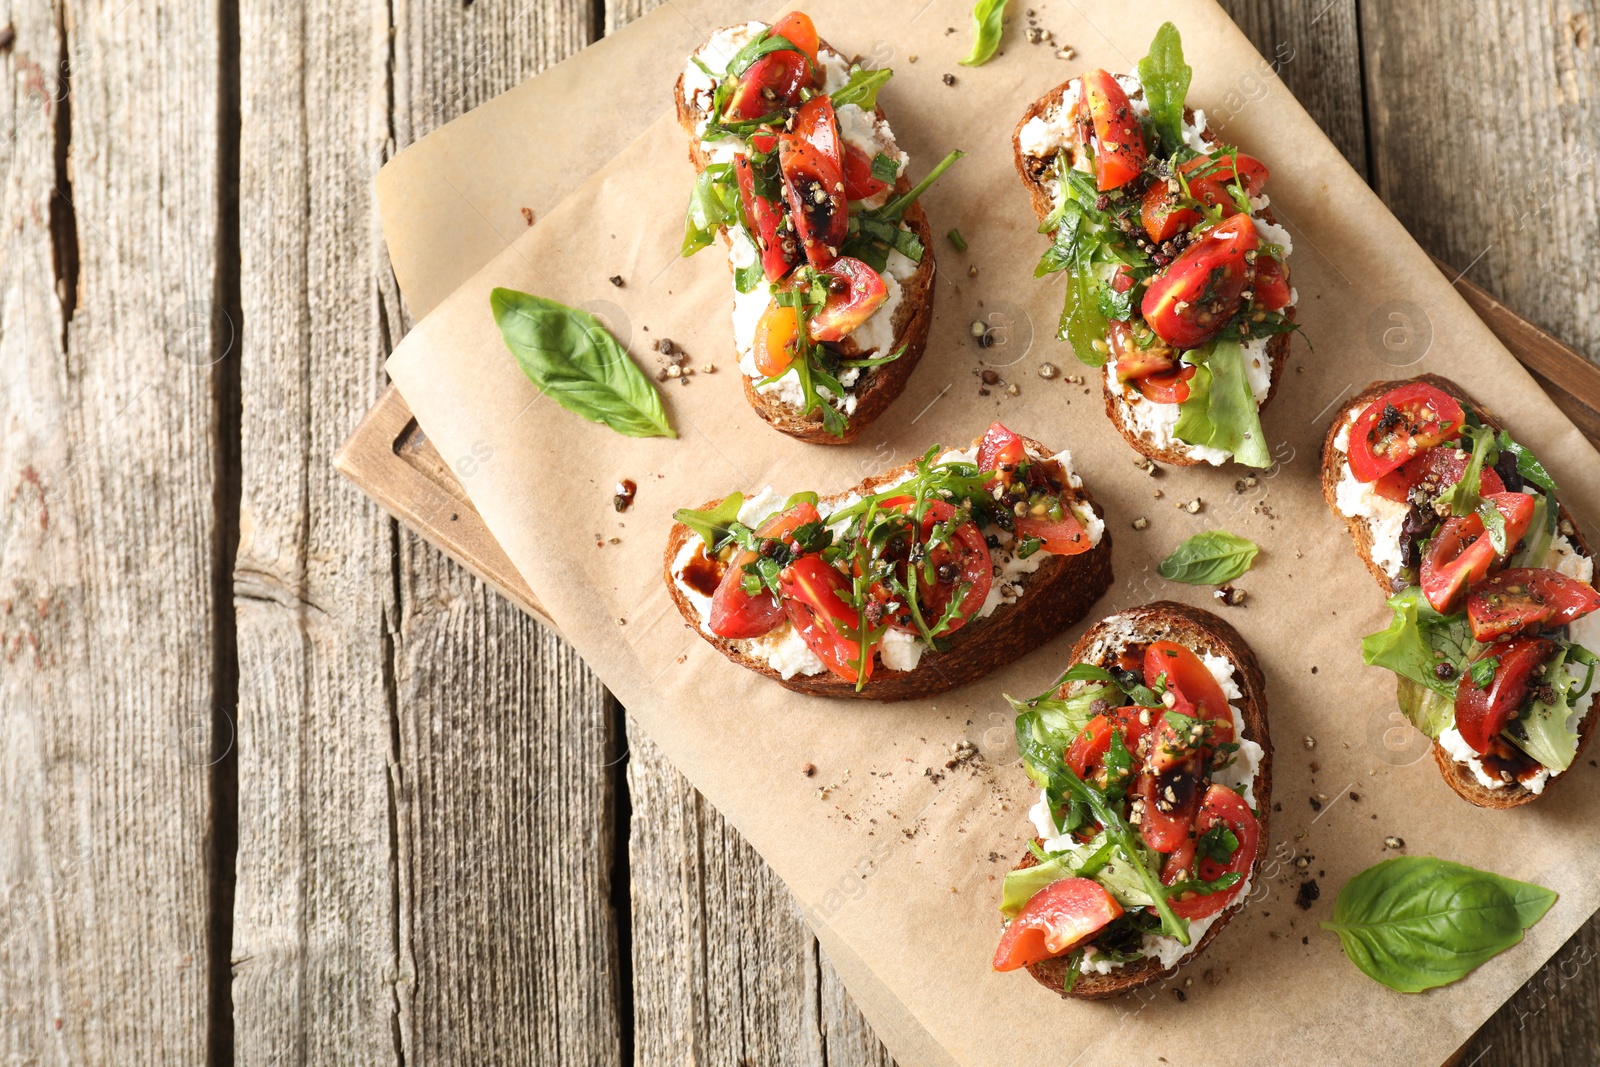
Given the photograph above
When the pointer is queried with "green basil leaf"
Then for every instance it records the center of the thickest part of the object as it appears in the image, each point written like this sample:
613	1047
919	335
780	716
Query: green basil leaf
1221	410
1415	922
862	89
714	525
1165	77
1209	558
988	19
569	355
885	169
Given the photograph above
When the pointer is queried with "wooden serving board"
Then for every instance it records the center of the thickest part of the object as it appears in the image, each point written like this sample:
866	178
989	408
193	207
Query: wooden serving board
391	460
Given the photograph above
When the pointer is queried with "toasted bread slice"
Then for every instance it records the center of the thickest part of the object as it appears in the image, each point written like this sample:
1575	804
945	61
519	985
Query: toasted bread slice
1458	775
1121	399
1204	633
1052	598
877	387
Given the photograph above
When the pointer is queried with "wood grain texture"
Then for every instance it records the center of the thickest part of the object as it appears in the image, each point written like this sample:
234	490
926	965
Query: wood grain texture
1315	48
109	542
315	910
1483	120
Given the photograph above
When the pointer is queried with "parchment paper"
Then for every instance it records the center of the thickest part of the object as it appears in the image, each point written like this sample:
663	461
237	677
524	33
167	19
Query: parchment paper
896	857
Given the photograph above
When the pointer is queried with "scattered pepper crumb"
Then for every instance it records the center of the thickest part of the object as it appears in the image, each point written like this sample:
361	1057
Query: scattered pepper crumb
1394	842
1141	523
616	280
527	215
1047	371
625	492
949	79
809	770
1308	894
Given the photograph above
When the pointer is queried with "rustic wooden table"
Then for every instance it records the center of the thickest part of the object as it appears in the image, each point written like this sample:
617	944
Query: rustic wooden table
278	782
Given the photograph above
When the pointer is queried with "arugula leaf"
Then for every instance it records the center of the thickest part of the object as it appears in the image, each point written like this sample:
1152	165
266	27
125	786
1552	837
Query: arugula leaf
1415	922
1209	558
1221	410
713	203
988	18
714	524
895	209
1217	844
1543	730
569	355
1083	325
862	88
762	44
1528	464
1462	498
1165	77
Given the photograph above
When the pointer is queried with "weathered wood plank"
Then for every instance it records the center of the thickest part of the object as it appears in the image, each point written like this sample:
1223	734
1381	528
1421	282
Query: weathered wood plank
508	748
315	909
1482	134
110	547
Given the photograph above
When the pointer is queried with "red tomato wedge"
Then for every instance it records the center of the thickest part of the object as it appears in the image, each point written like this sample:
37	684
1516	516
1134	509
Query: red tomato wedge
1162	217
1171	387
1000	451
1187	675
768	86
855	291
1134	362
859	184
1271	284
1225	807
1119	151
966	561
813	179
797	28
1461	553
1396	427
1191	301
734	612
1482	713
764	219
1527	598
1063	537
1088	750
1170	781
1436	470
811	597
1059	918
1208	178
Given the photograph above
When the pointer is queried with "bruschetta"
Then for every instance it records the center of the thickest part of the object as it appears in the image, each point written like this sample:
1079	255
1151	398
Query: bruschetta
1177	278
830	252
916	581
1155	771
1490	581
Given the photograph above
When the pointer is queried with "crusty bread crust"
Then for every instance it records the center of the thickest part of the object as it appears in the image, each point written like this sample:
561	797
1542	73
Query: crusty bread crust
878	386
1055	596
1203	632
1456	774
1037	184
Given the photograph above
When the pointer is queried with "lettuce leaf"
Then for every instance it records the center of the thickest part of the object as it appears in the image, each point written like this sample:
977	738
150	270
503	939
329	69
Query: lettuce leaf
1084	861
1221	410
1543	730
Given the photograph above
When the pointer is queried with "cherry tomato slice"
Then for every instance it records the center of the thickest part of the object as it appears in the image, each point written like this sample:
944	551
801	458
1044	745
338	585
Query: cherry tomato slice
1170	780
1271	283
1482	713
1208	178
1135	362
1435	470
1397	426
811	597
813	178
1119	151
1001	451
859	184
1192	300
1088	750
1169	388
965	562
1062	537
1059	918
734	612
855	291
1461	553
797	28
1162	217
1225	807
777	339
780	251
1195	684
769	85
1527	598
